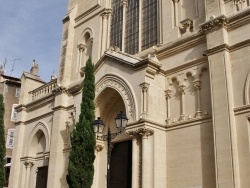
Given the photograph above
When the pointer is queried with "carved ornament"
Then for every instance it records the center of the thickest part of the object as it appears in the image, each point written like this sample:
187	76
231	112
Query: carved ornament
217	22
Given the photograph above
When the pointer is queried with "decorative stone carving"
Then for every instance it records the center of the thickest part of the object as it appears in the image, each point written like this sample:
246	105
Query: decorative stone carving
112	81
140	132
98	147
186	25
220	21
144	99
28	164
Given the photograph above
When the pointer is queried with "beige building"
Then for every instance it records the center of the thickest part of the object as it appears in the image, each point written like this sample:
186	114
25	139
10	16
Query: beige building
10	89
179	69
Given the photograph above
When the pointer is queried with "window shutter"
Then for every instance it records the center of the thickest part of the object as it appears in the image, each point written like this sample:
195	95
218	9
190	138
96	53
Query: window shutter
10	138
14	113
18	90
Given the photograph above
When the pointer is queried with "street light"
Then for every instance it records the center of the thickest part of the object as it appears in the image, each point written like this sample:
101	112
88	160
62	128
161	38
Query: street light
121	121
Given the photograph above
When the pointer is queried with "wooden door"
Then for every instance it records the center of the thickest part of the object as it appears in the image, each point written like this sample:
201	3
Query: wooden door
41	178
121	165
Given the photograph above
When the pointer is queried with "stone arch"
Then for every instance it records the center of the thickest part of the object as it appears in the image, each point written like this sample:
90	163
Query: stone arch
40	134
123	88
247	90
85	46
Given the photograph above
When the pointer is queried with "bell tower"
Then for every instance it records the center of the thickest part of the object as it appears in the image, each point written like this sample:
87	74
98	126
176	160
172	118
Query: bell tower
85	35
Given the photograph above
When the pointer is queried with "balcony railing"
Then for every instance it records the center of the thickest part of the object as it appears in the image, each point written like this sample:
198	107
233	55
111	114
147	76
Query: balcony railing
43	90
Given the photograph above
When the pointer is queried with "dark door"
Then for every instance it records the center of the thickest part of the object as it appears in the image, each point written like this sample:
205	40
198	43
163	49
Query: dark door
121	165
41	178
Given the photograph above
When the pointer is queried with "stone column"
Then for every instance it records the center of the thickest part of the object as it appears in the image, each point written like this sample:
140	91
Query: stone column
98	148
168	96
144	101
16	167
81	49
197	85
124	3
147	159
104	31
135	159
175	7
28	165
182	92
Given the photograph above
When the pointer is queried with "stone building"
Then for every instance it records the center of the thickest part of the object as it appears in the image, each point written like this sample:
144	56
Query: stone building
181	72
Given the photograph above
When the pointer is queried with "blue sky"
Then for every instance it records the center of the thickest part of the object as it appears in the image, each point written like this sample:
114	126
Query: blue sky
31	30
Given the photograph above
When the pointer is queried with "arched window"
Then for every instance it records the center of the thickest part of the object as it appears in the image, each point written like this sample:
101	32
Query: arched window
84	49
134	25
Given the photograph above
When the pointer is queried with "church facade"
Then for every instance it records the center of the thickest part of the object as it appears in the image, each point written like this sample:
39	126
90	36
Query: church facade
181	72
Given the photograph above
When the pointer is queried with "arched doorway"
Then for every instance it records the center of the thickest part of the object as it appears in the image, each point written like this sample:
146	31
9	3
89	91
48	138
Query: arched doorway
108	104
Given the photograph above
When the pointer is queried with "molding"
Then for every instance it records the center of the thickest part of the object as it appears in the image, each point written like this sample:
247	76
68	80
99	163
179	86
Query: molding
65	108
188	123
86	13
46	99
123	88
218	22
184	67
226	47
37	118
228	22
140	132
89	18
238	19
180	45
242	110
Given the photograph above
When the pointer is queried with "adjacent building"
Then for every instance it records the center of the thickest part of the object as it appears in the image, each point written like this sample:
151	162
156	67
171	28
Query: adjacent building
10	88
181	72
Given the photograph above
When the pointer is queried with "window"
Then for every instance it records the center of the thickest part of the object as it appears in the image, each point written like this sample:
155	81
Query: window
18	90
140	19
10	138
14	113
116	24
132	27
149	23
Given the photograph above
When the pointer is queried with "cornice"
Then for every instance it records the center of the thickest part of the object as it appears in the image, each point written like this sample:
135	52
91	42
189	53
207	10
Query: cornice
98	13
46	99
151	63
76	88
239	19
37	118
220	21
226	47
86	13
228	22
242	110
186	66
188	123
179	45
60	107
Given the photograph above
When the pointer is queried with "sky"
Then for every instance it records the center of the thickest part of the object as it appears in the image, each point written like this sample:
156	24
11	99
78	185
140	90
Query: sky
31	30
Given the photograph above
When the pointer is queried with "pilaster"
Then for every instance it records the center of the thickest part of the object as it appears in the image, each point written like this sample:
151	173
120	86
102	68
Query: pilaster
225	141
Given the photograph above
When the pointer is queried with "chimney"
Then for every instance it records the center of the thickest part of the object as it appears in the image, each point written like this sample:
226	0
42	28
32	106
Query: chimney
34	68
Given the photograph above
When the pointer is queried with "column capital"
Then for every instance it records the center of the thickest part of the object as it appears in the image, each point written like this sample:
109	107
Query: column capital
28	164
168	93
181	89
125	2
197	84
98	147
143	132
81	47
144	86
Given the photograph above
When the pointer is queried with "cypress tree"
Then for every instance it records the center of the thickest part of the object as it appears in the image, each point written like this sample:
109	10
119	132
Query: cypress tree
82	155
2	143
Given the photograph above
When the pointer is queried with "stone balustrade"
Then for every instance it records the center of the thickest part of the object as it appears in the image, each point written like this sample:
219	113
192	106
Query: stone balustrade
43	90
